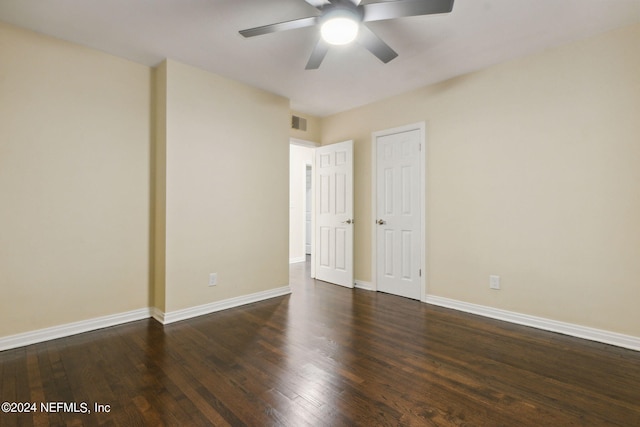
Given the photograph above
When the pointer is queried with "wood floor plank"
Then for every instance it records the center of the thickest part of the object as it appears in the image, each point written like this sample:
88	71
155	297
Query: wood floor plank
326	356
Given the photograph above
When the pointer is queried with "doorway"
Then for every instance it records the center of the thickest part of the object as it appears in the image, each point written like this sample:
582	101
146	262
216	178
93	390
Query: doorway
300	198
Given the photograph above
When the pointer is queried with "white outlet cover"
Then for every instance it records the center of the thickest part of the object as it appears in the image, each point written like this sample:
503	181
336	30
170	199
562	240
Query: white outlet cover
494	282
213	279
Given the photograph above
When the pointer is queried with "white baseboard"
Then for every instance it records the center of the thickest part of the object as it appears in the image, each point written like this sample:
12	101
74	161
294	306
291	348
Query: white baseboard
33	337
367	286
188	313
157	314
571	329
40	335
298	259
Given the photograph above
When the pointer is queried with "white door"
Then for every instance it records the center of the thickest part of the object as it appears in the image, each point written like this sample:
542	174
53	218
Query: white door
333	236
398	213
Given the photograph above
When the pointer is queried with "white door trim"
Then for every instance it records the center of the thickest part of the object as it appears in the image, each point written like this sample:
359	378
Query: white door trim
421	126
303	143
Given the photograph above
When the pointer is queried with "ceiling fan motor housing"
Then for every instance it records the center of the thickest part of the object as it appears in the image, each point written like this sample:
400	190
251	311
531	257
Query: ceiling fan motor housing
341	10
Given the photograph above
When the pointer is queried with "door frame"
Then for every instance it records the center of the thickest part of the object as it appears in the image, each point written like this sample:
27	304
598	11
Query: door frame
308	200
421	126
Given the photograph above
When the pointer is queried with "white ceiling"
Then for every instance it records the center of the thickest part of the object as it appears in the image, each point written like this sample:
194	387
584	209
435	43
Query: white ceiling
204	33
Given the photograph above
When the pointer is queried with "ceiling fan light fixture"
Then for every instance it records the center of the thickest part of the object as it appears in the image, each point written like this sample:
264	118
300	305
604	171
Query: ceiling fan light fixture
340	23
339	30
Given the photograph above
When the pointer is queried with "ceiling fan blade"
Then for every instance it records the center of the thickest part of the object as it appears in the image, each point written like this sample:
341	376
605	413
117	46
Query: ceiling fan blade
318	54
282	26
402	8
375	45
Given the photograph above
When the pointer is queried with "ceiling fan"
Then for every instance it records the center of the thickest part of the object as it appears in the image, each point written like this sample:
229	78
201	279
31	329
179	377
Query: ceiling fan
343	21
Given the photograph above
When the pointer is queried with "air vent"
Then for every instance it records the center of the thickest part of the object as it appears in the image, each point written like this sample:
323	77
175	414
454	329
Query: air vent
298	123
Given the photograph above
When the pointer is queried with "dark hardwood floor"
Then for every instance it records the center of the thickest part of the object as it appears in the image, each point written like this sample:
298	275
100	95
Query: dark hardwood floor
325	355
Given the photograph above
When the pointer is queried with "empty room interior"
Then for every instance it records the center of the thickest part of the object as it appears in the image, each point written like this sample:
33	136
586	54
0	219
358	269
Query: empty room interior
212	215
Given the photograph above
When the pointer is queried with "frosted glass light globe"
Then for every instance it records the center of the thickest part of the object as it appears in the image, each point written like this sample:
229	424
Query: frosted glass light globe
339	30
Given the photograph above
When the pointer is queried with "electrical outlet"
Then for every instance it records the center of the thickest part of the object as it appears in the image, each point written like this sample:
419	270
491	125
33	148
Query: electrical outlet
213	279
494	282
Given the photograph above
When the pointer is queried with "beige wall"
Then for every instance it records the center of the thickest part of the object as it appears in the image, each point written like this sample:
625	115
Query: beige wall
227	180
299	158
74	180
532	175
86	231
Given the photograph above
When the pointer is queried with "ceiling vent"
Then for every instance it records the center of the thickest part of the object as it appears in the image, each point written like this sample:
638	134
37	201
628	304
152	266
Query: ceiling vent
298	123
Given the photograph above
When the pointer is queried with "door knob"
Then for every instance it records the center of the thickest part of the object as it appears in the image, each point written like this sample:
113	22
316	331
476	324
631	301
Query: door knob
381	222
349	221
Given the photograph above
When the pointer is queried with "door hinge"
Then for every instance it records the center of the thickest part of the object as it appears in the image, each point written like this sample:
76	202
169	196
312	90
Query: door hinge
420	272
